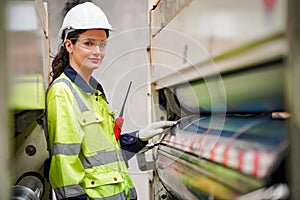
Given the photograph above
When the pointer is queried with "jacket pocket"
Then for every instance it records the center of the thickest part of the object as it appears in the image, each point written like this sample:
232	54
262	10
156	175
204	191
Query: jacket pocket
88	117
93	137
100	179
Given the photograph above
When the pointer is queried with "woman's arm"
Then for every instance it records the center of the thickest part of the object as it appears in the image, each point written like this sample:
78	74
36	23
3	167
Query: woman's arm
66	170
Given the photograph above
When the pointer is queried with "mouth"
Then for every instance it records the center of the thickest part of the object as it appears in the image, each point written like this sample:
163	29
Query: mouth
95	60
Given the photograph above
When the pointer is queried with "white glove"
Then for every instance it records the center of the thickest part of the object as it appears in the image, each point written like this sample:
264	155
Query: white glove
154	129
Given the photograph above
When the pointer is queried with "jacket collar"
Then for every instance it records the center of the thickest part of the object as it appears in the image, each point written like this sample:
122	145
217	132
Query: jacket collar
80	82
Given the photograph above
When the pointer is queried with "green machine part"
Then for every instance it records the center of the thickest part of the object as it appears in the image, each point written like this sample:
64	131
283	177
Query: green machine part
28	92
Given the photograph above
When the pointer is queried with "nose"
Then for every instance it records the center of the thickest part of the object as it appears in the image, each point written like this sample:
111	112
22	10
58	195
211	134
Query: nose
98	49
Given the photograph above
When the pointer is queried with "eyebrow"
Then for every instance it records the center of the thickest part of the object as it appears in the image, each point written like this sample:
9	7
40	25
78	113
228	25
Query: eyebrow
92	38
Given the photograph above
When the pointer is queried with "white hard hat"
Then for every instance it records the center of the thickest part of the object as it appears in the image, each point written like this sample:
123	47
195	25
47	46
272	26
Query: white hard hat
85	16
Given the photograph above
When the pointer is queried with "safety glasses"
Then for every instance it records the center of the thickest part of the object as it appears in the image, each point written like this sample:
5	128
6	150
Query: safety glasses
90	43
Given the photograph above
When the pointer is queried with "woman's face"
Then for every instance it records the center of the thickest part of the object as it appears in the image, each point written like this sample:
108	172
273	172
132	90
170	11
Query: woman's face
88	51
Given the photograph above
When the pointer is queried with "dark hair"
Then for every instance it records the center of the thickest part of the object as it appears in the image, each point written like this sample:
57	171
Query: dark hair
61	60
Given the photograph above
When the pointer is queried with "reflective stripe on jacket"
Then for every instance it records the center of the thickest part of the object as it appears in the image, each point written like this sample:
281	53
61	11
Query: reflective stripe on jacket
86	158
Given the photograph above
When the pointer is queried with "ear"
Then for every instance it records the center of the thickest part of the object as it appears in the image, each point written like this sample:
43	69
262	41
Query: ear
69	45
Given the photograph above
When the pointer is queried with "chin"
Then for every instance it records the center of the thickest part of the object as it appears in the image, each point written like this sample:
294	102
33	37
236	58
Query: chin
93	66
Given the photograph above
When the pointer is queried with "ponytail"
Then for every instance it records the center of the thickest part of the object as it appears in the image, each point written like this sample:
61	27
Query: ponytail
59	63
61	60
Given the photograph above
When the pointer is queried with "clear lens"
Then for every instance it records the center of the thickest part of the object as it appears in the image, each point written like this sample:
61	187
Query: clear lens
91	44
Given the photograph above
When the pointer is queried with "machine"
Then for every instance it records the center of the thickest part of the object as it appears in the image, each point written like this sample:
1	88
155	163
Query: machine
27	64
222	69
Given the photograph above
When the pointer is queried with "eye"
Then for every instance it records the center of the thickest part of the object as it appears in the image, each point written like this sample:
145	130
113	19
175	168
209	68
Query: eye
89	43
102	44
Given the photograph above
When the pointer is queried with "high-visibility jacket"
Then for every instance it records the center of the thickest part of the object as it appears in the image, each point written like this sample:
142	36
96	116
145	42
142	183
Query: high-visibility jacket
85	156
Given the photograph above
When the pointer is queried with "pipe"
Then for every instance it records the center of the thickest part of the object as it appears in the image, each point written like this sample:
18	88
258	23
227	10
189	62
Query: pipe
30	186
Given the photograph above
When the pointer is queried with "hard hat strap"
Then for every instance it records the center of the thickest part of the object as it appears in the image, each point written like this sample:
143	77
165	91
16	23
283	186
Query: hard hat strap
67	31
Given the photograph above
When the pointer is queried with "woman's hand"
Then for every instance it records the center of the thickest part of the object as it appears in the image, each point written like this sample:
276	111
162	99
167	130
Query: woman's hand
154	129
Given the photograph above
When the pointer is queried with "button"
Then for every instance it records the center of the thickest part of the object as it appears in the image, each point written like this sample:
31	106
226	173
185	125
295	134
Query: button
131	139
115	179
84	120
92	182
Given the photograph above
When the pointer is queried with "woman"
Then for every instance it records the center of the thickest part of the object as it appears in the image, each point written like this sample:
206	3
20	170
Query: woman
86	158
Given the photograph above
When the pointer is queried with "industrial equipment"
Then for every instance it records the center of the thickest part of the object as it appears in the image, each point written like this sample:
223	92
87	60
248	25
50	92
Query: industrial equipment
27	61
219	68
